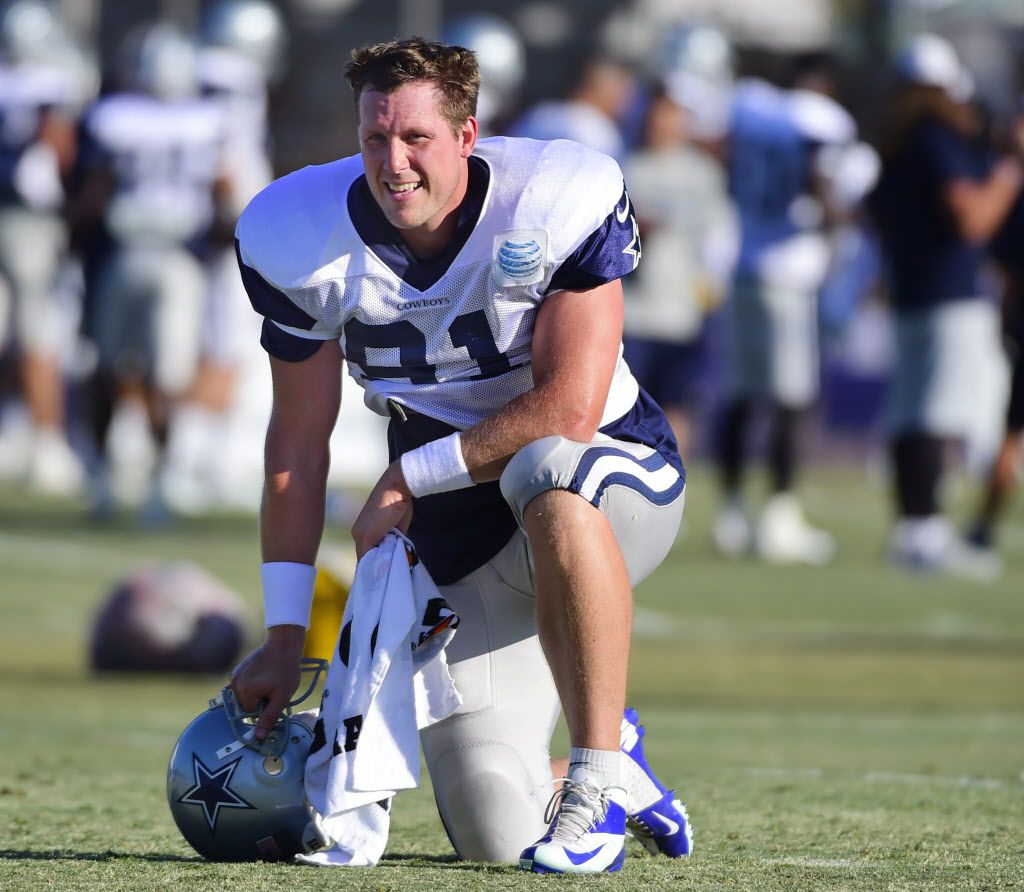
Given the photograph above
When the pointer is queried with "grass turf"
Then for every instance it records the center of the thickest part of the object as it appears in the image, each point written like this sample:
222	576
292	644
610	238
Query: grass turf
842	728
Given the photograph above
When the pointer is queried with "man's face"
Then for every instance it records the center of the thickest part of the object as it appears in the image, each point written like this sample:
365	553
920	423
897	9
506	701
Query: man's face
415	165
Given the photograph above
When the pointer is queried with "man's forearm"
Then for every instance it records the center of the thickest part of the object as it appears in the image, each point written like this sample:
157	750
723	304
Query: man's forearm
292	512
489	445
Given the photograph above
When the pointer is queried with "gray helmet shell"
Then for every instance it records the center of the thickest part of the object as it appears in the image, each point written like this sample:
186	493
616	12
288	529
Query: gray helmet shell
234	799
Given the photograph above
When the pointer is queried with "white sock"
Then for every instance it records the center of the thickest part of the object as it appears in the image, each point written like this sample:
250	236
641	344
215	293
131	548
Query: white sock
602	768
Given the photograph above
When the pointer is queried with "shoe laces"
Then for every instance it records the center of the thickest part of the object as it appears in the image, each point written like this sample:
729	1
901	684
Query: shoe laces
576	809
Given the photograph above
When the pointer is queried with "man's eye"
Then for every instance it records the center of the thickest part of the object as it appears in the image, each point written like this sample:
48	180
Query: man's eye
373	137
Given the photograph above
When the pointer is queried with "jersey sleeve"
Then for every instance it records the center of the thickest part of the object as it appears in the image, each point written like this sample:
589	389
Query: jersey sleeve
610	252
289	332
949	154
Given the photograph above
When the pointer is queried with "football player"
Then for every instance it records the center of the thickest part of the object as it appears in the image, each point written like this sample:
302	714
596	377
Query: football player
154	177
589	114
947	327
774	145
1006	469
474	289
211	453
41	96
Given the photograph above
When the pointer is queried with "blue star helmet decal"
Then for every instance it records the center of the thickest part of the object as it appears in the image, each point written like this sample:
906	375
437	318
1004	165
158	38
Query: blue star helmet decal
213	790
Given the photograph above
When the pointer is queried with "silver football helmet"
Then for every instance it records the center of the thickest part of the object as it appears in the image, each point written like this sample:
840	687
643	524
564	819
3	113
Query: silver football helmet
252	28
236	799
30	31
501	55
160	60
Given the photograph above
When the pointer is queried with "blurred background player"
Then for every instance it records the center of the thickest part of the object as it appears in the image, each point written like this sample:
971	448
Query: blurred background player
153	181
43	85
1005	474
210	457
774	145
939	202
591	111
688	233
502	56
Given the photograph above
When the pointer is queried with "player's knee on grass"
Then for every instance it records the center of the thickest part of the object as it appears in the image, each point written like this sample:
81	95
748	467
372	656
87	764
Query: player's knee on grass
487	801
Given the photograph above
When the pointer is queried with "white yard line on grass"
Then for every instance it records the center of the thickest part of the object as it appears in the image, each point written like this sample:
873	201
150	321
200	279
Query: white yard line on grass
889	777
963	780
842	863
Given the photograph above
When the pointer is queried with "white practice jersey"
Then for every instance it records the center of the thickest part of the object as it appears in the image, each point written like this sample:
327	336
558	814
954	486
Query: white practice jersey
165	157
452	338
29	171
235	84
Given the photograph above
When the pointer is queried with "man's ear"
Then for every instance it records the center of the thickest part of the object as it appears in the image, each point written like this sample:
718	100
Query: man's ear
468	134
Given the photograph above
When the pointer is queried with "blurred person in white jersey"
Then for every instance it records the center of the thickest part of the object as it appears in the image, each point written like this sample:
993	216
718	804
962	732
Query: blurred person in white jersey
153	179
589	113
781	189
212	456
473	287
688	229
42	92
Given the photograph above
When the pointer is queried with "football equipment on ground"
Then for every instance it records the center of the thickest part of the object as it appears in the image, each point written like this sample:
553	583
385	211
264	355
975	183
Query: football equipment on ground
168	618
238	799
586	834
659	820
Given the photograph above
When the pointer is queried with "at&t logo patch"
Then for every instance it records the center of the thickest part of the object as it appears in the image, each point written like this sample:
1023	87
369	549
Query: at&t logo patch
520	257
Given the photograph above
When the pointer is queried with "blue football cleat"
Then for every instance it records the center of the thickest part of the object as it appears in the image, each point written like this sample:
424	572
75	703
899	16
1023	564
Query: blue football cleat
655	816
586	834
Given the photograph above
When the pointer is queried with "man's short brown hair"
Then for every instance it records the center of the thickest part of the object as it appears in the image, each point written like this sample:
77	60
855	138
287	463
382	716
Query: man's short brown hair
388	66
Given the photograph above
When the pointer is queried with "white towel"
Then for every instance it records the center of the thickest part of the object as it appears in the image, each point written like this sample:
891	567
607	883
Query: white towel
389	678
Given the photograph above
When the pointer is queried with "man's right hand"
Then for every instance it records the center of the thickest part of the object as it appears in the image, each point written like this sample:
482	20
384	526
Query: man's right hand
270	674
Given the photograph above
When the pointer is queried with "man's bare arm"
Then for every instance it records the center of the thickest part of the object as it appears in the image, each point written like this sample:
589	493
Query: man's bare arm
575	347
307	396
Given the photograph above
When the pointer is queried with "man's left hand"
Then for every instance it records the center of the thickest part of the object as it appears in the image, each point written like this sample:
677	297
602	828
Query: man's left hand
388	506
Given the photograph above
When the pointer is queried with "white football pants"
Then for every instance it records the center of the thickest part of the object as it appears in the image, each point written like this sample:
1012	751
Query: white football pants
490	761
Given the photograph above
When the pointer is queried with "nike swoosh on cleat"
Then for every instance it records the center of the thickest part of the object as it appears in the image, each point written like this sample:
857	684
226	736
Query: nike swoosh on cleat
672	826
582	857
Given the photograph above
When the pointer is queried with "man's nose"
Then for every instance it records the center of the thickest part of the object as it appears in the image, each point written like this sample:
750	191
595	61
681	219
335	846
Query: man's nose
397	159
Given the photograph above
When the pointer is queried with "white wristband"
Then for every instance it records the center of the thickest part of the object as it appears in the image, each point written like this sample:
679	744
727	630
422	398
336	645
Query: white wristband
287	593
436	467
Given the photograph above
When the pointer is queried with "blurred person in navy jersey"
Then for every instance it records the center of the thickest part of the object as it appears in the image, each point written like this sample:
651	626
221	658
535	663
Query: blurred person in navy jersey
153	180
779	142
589	114
940	201
44	83
1008	251
688	231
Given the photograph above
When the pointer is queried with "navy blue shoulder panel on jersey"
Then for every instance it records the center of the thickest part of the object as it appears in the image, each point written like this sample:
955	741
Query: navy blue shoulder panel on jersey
610	252
275	307
271	302
284	345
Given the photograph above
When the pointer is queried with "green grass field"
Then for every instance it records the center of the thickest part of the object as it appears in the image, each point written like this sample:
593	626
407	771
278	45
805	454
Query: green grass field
843	728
